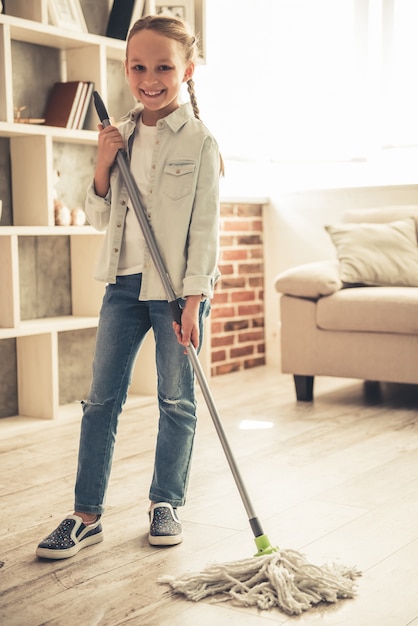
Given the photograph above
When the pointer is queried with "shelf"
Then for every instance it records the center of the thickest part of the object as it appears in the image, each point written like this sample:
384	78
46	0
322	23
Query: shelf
17	425
48	231
49	325
53	37
66	135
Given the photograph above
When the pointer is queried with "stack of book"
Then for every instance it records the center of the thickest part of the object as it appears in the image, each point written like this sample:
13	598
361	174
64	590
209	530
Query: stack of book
68	104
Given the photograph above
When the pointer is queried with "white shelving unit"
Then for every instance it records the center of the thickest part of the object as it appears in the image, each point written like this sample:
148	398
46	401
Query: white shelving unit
83	56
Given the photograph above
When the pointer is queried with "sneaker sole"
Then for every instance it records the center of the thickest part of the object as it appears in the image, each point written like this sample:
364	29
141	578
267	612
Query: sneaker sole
46	553
165	540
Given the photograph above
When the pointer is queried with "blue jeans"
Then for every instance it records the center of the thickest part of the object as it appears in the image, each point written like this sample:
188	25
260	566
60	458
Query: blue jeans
124	322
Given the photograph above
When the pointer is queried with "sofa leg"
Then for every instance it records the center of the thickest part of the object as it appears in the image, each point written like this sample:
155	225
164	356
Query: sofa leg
372	391
304	388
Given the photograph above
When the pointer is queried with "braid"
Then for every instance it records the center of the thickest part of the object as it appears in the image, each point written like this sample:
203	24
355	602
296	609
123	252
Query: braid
196	112
193	99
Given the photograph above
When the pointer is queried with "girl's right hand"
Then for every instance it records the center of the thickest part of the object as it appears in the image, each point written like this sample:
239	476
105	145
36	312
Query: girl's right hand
109	142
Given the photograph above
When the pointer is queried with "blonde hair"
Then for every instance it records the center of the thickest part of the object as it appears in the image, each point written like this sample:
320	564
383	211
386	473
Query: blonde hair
179	31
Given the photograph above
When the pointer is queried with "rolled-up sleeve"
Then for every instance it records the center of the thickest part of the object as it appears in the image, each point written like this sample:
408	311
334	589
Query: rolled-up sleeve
97	208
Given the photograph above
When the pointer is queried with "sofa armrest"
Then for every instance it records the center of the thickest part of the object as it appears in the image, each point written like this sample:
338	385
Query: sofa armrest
310	280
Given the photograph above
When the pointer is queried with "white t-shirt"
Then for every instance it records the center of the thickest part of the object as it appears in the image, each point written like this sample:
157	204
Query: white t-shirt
131	258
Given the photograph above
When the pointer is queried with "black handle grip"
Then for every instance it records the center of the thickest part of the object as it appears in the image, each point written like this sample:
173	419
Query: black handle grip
175	311
101	109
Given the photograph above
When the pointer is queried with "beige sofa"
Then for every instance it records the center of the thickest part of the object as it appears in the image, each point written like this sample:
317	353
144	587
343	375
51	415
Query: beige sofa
355	315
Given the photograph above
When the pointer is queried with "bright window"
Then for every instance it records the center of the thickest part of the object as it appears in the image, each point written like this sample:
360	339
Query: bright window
400	73
304	80
315	65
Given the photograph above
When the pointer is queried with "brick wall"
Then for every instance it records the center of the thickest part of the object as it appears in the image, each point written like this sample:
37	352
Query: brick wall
237	318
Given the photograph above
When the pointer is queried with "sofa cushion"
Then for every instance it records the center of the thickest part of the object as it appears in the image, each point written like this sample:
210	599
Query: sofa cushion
310	280
377	254
370	309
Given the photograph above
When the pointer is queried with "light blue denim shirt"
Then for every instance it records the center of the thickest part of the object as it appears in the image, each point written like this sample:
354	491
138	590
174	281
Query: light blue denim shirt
182	207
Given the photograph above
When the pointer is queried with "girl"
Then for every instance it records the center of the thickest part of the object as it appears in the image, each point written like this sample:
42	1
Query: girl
175	162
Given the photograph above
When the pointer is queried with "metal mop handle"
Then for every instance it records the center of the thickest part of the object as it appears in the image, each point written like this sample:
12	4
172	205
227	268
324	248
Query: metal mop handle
140	212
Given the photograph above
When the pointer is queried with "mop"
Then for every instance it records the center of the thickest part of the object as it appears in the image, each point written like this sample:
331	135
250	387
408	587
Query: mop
273	577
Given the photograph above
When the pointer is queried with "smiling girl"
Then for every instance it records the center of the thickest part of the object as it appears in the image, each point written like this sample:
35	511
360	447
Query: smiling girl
175	162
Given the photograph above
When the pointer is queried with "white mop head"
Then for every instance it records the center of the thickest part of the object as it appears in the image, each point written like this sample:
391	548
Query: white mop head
283	579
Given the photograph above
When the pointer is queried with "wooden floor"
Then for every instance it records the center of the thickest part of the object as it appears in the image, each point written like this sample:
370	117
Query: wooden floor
336	479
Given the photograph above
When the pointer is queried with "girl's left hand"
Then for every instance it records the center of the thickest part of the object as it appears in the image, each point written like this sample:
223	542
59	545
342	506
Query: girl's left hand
188	331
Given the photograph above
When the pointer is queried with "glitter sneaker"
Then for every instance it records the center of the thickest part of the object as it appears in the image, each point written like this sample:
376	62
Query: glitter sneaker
70	536
165	527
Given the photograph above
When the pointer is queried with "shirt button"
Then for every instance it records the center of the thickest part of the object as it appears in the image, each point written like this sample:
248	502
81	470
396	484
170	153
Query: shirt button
123	203
177	171
118	225
115	249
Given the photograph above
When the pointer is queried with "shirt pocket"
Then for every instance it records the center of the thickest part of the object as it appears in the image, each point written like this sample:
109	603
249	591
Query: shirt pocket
178	178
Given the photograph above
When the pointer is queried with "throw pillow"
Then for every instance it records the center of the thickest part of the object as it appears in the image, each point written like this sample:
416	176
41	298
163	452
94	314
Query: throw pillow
311	280
377	254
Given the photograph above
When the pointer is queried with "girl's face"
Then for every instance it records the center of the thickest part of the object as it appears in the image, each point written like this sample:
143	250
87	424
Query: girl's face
155	70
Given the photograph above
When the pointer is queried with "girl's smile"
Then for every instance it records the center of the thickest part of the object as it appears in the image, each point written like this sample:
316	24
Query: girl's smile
152	94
